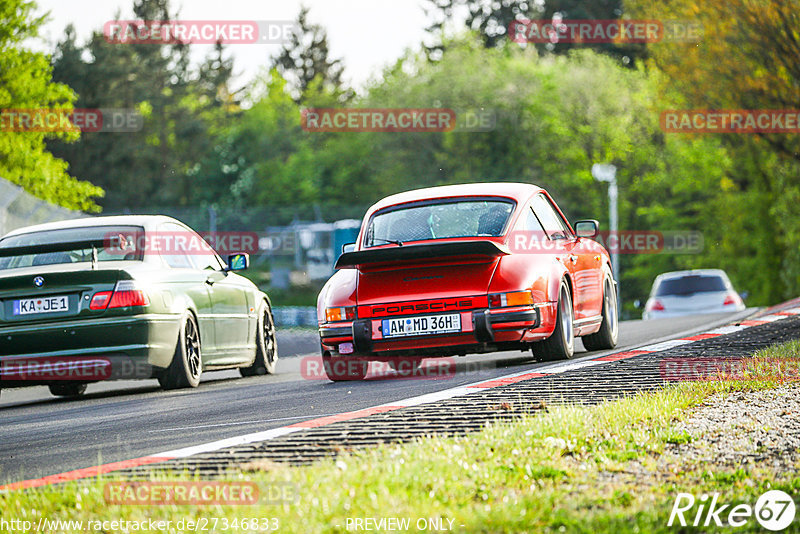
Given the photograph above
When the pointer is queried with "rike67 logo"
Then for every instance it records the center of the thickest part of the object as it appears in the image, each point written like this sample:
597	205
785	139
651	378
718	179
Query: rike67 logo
774	511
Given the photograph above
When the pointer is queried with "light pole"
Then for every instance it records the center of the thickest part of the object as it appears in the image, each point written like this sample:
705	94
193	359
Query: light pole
605	172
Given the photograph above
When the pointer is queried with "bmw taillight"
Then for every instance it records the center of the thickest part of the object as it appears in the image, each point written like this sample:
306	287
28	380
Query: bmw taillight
655	306
100	300
514	298
125	294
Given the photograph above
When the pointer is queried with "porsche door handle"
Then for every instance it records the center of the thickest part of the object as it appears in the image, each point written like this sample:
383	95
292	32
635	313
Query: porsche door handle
210	281
573	258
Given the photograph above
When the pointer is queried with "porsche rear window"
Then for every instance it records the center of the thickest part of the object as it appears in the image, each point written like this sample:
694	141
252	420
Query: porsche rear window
67	235
467	217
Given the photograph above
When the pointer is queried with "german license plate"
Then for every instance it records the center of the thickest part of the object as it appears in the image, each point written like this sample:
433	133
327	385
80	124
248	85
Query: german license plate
421	325
52	304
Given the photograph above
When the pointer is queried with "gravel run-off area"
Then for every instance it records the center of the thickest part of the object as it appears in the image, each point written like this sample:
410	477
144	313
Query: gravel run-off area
754	431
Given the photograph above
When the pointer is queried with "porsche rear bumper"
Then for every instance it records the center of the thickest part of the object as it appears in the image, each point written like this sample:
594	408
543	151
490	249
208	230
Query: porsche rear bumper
481	330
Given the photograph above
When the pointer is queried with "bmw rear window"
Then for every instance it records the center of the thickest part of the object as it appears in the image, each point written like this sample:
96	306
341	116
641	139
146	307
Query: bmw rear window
690	284
74	255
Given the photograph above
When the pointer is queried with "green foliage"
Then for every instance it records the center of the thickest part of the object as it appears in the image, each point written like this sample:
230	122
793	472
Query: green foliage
745	61
173	160
491	19
555	115
26	84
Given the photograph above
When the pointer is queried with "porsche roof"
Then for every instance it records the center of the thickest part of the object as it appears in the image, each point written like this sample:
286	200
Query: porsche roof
517	191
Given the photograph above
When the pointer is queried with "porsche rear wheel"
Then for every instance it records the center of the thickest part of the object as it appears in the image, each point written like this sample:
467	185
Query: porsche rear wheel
561	343
606	337
187	365
72	389
266	346
339	368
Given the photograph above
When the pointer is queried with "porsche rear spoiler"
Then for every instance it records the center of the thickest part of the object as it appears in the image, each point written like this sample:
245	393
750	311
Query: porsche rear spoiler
482	248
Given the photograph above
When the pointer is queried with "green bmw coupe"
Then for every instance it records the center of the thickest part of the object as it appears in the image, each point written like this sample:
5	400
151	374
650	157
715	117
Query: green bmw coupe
126	297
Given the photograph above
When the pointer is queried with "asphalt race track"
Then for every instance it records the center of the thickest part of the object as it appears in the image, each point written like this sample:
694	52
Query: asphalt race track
42	435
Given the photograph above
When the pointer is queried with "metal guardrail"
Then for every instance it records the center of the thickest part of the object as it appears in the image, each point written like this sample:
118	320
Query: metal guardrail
295	315
19	208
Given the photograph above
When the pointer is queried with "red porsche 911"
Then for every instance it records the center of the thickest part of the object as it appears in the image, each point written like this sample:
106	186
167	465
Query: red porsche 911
461	269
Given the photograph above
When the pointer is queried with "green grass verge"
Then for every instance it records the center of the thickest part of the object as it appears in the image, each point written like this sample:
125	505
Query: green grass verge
561	471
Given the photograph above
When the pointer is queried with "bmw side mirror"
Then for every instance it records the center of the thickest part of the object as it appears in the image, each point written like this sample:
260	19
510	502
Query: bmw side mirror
349	247
587	228
238	262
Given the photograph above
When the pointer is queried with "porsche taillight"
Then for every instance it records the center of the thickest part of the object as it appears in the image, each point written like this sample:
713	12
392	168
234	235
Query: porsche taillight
513	298
346	313
125	294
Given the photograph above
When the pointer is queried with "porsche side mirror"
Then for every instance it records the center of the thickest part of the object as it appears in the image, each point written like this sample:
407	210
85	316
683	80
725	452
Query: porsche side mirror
238	262
348	247
586	228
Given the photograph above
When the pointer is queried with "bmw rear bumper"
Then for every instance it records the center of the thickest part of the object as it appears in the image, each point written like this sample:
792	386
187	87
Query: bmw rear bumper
123	347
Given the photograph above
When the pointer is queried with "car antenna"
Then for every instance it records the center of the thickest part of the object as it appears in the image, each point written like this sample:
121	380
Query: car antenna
94	258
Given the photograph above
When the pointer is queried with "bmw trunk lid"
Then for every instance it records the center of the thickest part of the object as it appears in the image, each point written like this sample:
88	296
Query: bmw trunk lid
53	292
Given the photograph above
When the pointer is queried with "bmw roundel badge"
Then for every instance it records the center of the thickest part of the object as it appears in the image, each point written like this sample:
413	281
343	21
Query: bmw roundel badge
38	281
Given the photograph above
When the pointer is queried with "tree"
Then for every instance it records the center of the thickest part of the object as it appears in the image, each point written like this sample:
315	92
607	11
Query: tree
747	59
492	19
166	163
26	84
305	61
